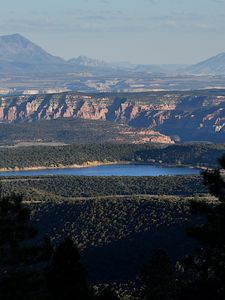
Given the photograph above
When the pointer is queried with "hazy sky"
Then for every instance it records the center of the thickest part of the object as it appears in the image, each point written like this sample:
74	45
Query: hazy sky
139	31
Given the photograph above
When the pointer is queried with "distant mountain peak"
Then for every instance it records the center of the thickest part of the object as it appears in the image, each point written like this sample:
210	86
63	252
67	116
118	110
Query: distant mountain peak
214	65
18	49
85	61
14	36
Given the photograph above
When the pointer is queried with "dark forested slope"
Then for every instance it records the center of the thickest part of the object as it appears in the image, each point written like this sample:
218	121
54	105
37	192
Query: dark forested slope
58	156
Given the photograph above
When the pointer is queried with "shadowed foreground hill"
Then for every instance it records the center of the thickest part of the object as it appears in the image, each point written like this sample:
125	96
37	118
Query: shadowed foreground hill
117	235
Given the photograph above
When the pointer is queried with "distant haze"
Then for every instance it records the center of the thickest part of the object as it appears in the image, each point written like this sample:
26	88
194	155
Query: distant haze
139	31
18	55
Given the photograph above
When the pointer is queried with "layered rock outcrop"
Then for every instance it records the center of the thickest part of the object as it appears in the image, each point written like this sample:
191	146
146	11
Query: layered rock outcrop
32	108
185	117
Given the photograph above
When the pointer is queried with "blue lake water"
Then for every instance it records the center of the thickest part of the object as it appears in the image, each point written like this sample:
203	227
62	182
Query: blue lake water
109	170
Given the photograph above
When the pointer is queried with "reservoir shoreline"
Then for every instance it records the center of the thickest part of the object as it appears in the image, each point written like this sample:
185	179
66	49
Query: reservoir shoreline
103	169
90	164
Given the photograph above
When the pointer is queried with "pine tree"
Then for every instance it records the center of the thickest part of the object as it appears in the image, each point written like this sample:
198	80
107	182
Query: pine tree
202	275
22	260
158	277
67	278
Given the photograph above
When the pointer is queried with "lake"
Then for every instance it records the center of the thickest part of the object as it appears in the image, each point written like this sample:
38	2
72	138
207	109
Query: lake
109	170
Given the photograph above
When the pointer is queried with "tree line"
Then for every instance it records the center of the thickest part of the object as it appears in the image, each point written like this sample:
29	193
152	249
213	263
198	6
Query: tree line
50	187
55	156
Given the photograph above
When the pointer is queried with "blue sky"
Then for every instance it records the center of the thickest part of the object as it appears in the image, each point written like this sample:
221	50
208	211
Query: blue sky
139	31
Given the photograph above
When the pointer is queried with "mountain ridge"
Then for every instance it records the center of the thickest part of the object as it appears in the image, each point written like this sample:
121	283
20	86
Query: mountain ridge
17	48
19	54
85	61
214	65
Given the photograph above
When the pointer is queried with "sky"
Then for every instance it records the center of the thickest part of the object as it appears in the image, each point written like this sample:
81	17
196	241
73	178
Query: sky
136	31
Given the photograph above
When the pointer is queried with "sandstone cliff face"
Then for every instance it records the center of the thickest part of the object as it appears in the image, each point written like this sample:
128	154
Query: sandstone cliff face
137	136
92	111
31	108
187	118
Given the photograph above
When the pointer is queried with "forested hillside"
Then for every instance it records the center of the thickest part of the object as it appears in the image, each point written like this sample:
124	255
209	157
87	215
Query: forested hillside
59	187
58	156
